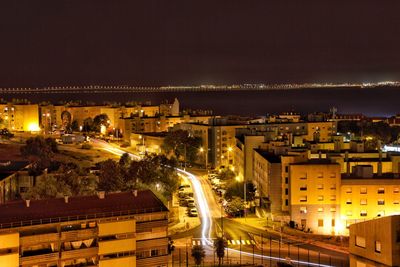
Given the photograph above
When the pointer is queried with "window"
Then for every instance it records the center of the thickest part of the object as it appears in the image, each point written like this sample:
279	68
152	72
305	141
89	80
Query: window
363	190
303	199
396	190
349	213
333	186
363	201
320	223
286	180
320	209
333	209
360	241
303	176
396	202
320	186
286	191
378	246
320	175
286	202
333	175
381	190
333	197
381	202
320	198
333	222
348	201
286	169
154	252
348	190
303	188
303	210
363	213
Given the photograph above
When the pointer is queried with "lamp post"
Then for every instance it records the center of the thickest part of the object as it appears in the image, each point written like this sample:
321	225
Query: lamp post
205	156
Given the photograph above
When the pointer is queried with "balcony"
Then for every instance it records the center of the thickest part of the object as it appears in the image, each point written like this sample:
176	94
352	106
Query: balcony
36	239
79	253
79	234
39	259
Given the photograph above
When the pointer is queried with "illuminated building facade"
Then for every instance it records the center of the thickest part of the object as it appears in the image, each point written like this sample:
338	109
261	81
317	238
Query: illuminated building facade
120	229
20	117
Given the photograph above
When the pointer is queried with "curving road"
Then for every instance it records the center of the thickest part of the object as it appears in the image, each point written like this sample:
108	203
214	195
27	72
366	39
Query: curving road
211	226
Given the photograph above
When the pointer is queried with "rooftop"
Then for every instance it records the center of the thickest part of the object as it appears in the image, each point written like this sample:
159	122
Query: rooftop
316	162
7	168
14	214
272	158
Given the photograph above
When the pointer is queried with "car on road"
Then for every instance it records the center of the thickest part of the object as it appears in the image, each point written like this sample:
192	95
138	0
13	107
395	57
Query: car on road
190	202
193	212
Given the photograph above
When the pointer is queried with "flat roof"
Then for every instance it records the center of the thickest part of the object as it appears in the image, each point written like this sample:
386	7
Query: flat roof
317	162
7	168
56	210
272	158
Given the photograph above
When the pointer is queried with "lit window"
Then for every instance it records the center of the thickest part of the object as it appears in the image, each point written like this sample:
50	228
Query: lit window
348	190
303	210
333	175
396	202
320	186
333	197
303	199
333	187
348	201
360	241
333	209
381	190
381	202
320	175
363	201
363	213
378	246
396	190
363	190
320	223
320	198
320	209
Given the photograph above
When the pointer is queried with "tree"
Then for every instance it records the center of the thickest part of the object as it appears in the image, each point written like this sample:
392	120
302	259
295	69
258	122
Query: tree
87	125
198	254
182	145
100	120
40	152
47	187
219	247
75	126
227	174
236	189
110	179
235	207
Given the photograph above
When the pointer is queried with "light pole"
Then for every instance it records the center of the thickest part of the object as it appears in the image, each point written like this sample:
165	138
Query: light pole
205	155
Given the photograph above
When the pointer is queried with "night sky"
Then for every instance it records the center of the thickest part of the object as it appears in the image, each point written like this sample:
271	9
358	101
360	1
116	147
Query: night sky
196	42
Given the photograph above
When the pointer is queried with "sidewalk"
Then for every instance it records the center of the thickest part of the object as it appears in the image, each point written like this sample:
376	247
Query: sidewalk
261	224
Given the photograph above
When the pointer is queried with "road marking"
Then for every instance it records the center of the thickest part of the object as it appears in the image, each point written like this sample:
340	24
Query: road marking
229	242
248	242
243	242
253	242
233	242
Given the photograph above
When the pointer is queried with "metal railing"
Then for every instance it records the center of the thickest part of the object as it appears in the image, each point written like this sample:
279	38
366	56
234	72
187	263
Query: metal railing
80	217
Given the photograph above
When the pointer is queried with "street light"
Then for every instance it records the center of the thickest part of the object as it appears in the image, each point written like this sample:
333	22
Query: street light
205	156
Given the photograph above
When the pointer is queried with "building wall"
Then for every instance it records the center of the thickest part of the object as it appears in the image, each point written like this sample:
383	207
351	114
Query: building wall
375	240
322	130
362	198
314	197
20	117
250	143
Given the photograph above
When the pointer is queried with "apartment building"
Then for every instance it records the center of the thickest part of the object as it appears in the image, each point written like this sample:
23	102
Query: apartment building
267	179
14	179
119	229
20	117
375	242
314	196
369	196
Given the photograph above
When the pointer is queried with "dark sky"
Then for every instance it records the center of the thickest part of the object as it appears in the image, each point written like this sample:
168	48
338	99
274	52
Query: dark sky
72	42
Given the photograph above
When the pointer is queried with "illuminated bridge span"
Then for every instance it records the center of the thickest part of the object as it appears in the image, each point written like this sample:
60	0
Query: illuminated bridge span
196	88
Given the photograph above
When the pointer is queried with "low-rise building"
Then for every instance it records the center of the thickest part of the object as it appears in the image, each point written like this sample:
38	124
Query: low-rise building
118	229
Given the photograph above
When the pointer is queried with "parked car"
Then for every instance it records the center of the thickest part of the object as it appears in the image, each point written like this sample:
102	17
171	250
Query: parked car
190	203
193	212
